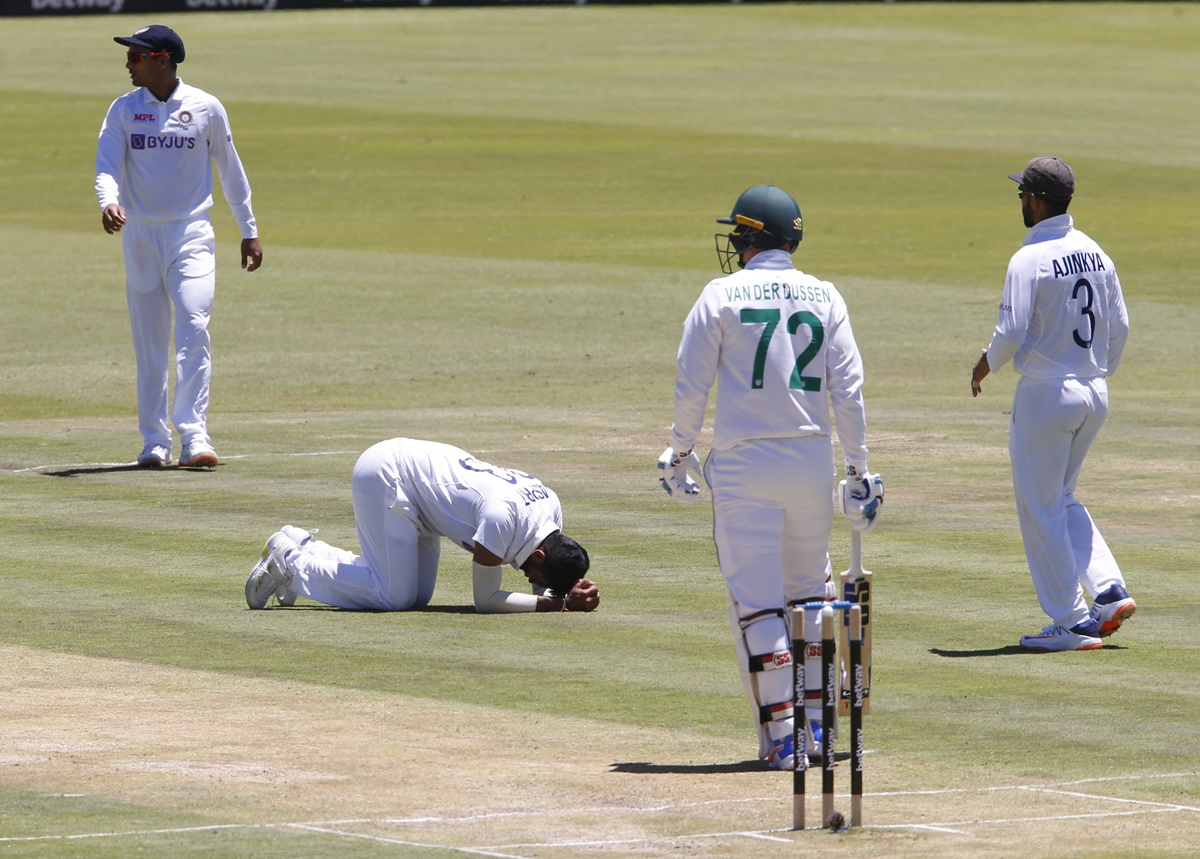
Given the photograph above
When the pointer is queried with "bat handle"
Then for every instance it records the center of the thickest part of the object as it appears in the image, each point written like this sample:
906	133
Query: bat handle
855	550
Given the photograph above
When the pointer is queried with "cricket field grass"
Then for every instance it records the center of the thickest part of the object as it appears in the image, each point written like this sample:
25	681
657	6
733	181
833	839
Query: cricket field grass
485	227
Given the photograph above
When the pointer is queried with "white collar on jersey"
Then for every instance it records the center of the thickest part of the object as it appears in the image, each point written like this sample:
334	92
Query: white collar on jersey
774	260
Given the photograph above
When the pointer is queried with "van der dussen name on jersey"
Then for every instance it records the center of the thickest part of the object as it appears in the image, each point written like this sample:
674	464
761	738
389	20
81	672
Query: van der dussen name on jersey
1078	264
159	141
777	291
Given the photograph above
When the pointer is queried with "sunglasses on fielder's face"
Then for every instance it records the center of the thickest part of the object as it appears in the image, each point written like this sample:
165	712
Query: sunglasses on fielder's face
136	57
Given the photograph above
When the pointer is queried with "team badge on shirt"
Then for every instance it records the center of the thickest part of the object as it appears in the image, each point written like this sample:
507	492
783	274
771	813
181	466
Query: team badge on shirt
185	117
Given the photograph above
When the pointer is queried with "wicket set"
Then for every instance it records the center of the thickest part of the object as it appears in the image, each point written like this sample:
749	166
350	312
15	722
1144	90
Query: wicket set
856	679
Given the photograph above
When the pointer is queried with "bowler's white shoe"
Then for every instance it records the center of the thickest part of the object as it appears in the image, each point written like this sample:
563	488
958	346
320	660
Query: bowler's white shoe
1082	636
198	454
270	574
154	456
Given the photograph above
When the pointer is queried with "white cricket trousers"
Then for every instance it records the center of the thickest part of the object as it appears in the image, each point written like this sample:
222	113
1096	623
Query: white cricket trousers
171	263
772	519
398	567
1054	422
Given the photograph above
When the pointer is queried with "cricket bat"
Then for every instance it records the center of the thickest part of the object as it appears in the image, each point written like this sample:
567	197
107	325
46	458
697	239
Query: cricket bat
856	588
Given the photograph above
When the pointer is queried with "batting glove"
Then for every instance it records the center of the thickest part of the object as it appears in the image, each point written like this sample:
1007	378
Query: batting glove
861	496
673	474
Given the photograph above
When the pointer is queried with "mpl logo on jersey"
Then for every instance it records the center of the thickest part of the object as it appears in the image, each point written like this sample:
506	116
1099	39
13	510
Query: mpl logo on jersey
157	141
145	117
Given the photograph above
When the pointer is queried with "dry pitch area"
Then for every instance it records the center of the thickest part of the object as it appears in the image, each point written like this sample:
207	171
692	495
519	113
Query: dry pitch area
428	780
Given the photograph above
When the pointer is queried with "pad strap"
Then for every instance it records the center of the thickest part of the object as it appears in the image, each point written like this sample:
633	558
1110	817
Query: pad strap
775	712
769	661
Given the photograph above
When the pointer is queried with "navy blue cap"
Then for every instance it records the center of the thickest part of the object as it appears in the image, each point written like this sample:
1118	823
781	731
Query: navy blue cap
156	37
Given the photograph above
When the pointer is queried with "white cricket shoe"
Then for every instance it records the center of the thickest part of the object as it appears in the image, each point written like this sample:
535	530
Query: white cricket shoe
1111	609
1082	636
154	456
270	573
198	454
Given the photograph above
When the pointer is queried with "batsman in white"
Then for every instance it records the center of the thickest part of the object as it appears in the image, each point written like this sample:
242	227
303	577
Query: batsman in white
778	345
154	183
408	495
1063	324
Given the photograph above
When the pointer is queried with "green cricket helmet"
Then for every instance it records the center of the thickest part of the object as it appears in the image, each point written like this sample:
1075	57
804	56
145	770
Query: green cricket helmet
765	217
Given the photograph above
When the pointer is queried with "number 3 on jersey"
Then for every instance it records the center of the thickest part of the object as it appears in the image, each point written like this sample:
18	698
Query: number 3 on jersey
769	319
1085	310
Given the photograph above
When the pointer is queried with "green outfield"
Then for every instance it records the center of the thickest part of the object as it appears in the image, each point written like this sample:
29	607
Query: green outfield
485	226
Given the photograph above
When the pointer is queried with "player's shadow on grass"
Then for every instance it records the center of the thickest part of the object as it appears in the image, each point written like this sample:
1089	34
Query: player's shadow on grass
751	766
108	469
644	768
1007	650
95	469
434	609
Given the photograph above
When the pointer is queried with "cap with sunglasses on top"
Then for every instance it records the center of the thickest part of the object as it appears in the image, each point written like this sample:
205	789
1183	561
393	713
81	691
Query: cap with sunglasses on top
155	39
1048	177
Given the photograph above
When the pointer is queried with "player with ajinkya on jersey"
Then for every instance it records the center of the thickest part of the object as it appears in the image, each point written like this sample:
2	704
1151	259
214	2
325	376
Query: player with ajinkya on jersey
1063	324
780	344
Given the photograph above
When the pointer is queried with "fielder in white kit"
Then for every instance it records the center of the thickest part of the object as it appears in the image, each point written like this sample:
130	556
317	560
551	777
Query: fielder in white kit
409	494
154	183
1063	324
778	344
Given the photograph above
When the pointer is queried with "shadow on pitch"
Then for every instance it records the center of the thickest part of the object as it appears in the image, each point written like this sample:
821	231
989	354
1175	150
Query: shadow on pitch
109	469
644	768
99	469
1007	650
751	766
428	609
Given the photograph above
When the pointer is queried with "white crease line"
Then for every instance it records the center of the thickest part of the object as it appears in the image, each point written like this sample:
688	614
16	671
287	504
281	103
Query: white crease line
474	851
1171	806
931	827
763	836
1100	815
212	828
1158	808
949	828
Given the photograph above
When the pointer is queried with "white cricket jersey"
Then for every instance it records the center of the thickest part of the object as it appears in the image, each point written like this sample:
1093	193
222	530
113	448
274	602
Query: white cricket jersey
1062	314
778	344
507	512
155	158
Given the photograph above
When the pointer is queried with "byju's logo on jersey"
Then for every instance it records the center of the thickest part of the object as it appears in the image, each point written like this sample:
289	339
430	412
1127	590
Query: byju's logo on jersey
156	141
